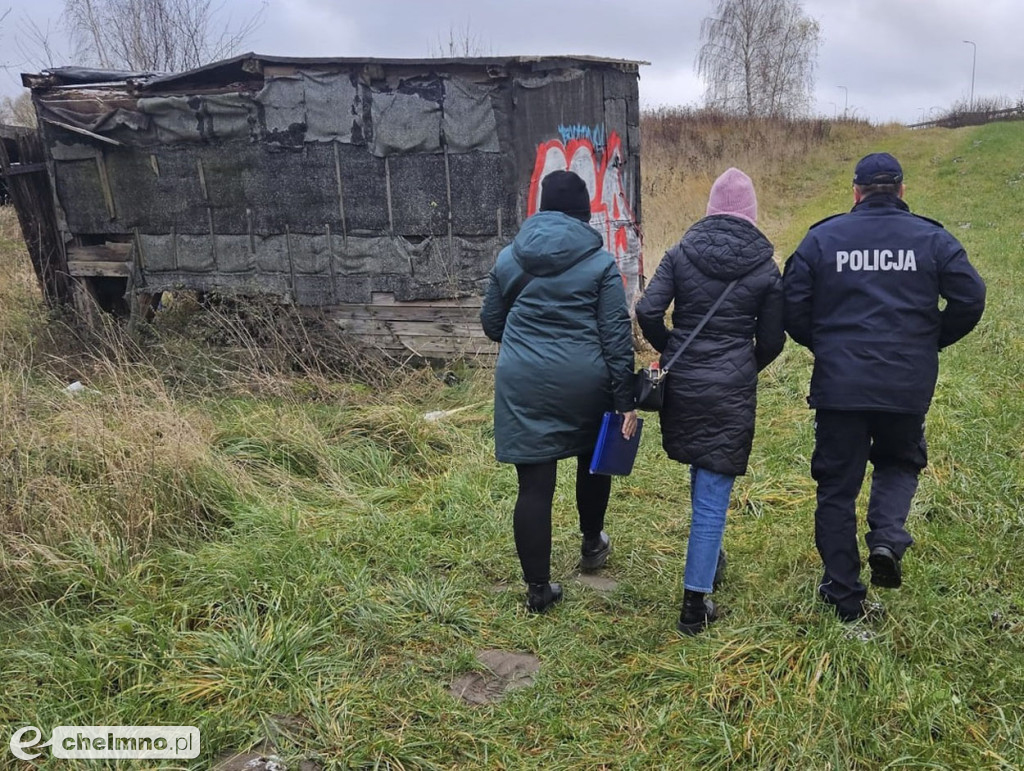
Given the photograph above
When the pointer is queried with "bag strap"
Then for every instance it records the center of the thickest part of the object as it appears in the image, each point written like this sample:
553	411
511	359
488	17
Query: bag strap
700	325
517	286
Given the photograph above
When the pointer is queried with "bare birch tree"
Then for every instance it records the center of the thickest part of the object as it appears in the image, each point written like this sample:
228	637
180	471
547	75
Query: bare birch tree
155	35
18	111
462	42
757	57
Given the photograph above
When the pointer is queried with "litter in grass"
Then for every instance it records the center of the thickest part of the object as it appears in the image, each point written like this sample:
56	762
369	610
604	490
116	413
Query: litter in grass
251	761
436	415
263	757
864	635
78	388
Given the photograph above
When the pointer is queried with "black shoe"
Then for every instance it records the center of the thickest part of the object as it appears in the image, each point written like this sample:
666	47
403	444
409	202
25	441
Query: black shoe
720	569
540	597
885	568
594	551
697	613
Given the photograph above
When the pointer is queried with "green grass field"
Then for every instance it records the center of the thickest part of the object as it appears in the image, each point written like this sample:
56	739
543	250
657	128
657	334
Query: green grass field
296	559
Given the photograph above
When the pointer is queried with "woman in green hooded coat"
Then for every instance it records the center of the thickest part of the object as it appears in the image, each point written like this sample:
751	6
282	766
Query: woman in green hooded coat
556	304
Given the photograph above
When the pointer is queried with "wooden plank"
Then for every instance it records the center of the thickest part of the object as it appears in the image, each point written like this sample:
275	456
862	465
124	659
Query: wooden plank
412	329
425	346
84	132
23	168
407	313
387	298
98	268
111	251
108	191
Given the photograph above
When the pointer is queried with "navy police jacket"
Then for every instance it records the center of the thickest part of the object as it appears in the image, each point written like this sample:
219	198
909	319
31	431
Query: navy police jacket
862	292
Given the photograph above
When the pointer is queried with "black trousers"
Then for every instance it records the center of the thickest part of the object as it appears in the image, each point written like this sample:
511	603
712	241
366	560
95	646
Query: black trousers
844	443
531	520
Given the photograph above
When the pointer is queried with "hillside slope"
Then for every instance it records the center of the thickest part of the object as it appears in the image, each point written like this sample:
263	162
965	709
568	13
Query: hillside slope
207	540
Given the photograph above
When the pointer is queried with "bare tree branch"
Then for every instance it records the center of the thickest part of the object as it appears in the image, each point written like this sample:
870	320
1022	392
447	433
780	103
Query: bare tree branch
155	35
757	57
462	42
35	45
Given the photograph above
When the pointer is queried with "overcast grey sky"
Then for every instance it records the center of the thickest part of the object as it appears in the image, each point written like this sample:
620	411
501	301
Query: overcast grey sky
899	59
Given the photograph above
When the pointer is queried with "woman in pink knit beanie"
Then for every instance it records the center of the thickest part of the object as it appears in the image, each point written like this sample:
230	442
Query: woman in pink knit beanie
707	420
733	193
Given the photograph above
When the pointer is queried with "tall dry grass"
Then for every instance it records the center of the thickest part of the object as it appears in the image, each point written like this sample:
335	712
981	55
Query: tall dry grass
93	475
144	453
684	150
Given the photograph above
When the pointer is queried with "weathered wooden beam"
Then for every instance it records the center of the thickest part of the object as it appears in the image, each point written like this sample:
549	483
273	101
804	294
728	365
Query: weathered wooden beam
469	315
388	298
23	168
98	268
451	331
84	132
108	191
111	251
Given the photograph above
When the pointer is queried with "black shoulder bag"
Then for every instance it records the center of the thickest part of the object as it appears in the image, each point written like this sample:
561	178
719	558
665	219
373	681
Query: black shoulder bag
649	383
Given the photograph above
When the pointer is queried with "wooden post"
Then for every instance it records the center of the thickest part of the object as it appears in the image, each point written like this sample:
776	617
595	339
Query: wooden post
28	183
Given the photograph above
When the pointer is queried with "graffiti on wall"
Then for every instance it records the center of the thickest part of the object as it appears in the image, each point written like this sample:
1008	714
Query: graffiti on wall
599	159
596	134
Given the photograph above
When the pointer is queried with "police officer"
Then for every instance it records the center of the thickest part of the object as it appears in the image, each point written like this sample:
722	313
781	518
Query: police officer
862	293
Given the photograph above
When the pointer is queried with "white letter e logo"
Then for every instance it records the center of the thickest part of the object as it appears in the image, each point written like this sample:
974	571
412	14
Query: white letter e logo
18	746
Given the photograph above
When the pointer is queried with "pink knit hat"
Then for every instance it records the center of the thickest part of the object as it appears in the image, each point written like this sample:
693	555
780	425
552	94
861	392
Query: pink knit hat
733	193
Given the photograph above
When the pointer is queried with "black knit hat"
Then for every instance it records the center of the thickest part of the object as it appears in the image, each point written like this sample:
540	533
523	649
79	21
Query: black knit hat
565	191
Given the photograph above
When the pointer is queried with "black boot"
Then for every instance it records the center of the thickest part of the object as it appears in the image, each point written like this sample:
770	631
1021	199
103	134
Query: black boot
594	551
886	569
697	613
540	597
720	569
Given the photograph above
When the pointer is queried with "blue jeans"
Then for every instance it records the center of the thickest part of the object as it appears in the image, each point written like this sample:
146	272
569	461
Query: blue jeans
709	499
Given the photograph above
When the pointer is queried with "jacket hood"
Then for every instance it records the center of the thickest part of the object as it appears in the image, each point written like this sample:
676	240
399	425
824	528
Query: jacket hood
549	242
725	247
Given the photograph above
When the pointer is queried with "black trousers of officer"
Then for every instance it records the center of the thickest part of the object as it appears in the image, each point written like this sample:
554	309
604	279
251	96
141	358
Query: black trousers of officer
844	442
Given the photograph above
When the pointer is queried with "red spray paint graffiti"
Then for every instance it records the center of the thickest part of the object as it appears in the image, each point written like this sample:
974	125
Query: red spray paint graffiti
611	214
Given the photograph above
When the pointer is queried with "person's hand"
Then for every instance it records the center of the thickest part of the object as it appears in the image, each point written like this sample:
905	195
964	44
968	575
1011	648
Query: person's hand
628	424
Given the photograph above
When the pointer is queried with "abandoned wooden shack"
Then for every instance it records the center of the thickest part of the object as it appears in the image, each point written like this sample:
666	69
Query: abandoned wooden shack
378	191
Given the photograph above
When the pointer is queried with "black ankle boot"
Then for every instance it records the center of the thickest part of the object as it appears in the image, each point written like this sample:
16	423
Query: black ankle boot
697	613
540	597
594	551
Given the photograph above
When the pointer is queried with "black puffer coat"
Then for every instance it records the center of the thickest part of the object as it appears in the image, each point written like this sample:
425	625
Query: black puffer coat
708	415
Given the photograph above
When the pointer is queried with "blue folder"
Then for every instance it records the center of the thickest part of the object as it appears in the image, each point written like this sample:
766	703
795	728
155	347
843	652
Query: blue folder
612	453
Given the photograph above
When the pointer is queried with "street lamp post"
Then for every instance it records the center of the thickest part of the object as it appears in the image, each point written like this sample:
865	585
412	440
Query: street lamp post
846	99
835	110
974	60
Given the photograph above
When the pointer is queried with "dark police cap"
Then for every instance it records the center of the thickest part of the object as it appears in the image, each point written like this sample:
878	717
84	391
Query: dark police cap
878	169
